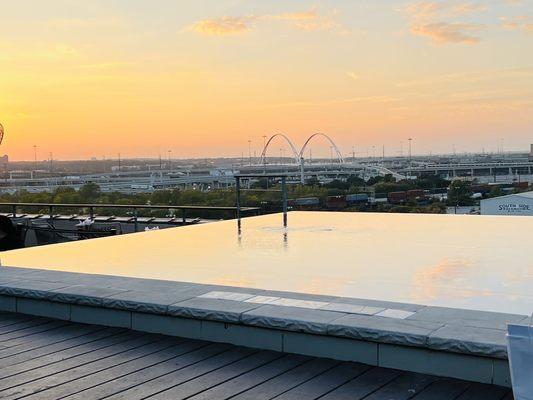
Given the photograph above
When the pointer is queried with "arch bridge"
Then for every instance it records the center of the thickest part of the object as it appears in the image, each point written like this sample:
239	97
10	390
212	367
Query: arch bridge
299	155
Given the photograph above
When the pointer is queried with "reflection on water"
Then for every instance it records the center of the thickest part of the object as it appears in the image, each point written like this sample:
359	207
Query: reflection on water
459	261
430	281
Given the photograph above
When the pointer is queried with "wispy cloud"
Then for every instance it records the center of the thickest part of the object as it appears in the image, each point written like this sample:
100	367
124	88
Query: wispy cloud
334	102
38	52
353	75
521	22
471	77
104	65
440	21
223	26
84	23
445	32
310	20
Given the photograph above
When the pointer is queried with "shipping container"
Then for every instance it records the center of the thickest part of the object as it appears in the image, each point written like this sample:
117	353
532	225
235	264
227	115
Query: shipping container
397	197
416	194
357	198
521	185
483	189
307	201
336	202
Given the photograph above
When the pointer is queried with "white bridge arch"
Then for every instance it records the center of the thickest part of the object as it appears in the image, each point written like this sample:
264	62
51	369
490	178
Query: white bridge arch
293	148
298	155
337	151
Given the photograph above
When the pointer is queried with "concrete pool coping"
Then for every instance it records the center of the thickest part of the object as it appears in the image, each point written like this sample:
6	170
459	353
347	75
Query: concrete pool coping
465	344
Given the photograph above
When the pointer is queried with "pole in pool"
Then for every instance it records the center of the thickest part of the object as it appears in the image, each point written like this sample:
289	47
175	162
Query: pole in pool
284	199
238	200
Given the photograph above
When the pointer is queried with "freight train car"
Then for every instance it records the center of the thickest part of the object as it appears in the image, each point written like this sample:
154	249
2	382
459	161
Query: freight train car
305	203
336	202
358	198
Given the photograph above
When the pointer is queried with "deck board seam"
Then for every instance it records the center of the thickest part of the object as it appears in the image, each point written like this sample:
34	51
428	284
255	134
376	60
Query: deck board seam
384	384
87	363
83	376
345	383
204	374
179	369
157	377
304	361
42	320
43	344
52	344
309	379
30	334
136	371
280	355
61	360
17	321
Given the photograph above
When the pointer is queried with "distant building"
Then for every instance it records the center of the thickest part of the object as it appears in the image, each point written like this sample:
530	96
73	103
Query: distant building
117	168
531	153
5	158
513	204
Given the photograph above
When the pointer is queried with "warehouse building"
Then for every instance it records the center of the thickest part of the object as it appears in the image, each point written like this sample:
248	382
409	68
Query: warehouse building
513	204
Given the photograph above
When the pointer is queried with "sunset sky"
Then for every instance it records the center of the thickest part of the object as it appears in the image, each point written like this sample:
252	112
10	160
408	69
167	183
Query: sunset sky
202	77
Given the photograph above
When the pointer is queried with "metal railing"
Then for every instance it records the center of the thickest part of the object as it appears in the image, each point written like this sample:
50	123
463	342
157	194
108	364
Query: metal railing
238	189
133	207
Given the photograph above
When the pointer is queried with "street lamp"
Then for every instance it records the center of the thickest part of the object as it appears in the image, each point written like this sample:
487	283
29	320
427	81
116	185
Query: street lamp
410	157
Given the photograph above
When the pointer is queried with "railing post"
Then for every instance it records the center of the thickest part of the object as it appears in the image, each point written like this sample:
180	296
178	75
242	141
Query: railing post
183	218
238	197
284	199
14	210
51	211
135	220
91	212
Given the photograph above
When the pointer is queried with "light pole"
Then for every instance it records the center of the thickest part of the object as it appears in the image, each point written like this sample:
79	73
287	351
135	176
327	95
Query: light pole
250	152
410	157
169	164
35	153
263	153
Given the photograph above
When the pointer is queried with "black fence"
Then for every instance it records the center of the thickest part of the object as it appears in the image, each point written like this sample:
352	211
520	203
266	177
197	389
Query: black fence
15	210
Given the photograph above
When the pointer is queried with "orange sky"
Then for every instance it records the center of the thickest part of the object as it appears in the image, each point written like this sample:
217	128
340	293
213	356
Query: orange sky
201	78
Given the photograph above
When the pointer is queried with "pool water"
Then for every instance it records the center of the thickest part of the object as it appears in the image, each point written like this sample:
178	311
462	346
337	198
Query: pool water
475	262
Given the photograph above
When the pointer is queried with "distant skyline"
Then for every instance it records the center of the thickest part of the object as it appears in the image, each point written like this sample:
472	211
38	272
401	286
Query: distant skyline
202	78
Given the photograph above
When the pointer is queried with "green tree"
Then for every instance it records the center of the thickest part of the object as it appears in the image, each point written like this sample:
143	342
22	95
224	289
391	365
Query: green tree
89	193
496	191
459	193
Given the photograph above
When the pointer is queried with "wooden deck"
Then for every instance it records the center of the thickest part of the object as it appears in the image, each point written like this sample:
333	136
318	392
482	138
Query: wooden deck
48	359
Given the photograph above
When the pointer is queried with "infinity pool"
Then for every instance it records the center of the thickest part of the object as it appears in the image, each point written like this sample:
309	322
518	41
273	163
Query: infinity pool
475	262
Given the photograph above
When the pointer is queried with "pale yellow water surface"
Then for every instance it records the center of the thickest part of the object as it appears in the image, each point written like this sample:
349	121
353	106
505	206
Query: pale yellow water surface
477	262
